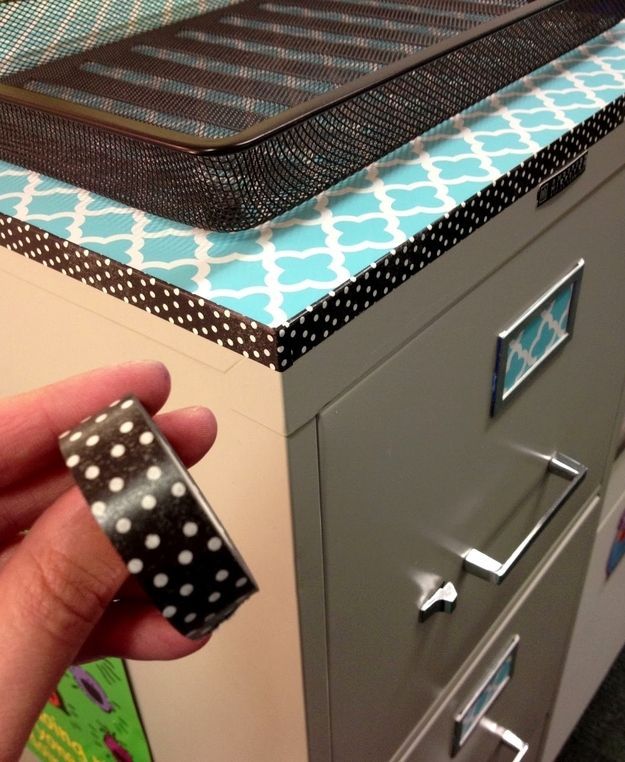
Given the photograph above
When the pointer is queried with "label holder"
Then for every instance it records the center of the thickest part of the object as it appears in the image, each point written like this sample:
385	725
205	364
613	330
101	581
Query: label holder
506	381
491	686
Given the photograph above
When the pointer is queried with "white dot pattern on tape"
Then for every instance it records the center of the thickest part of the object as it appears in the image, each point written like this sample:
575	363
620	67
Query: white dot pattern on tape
135	565
185	557
148	502
164	531
160	580
123	525
98	508
178	489
116	484
154	473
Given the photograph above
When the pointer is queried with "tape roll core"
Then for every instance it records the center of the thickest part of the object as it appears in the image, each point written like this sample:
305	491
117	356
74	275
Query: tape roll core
156	517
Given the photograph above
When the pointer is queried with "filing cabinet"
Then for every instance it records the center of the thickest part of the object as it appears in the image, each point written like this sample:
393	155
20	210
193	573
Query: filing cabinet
415	473
357	483
384	491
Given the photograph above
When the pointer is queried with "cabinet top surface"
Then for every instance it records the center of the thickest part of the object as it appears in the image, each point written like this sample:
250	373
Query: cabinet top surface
272	274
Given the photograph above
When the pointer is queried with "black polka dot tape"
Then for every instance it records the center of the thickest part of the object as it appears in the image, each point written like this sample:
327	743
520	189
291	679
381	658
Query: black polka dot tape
152	511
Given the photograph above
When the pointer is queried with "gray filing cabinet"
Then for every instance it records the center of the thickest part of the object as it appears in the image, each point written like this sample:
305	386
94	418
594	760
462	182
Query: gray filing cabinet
356	482
414	473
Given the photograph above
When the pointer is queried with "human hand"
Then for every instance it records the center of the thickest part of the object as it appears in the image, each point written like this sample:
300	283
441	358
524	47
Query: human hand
58	579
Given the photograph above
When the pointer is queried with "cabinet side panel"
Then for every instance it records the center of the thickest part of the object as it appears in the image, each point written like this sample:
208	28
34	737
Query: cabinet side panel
240	698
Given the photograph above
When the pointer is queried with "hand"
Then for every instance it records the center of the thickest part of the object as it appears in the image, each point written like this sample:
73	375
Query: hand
58	579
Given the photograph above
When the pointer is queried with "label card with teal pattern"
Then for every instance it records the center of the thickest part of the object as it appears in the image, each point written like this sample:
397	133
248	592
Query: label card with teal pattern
495	680
542	329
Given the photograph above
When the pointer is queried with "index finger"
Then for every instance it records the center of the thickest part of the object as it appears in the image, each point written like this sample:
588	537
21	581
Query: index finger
31	423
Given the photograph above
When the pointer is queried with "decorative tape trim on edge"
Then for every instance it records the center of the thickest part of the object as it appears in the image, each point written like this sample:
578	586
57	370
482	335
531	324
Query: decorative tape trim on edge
199	316
278	348
157	519
372	284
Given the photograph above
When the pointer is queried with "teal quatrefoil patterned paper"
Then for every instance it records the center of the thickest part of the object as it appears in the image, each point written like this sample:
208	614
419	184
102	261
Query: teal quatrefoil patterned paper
274	292
537	340
535	336
276	271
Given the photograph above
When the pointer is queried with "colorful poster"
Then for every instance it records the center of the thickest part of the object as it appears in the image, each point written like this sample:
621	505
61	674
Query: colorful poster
91	717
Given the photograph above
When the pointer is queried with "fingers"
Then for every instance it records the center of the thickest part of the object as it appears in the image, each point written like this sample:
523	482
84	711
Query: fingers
53	590
31	423
136	630
21	504
56	585
190	431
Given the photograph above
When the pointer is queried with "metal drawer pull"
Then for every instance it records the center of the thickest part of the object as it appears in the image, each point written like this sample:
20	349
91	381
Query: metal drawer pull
508	738
488	568
444	599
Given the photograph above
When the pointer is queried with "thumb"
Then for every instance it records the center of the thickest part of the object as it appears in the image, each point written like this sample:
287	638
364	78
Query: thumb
53	591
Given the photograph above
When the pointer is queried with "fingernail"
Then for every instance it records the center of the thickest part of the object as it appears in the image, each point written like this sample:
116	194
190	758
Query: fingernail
204	416
146	364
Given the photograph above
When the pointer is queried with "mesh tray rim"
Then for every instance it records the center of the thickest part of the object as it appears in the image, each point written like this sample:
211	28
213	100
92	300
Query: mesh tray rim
269	128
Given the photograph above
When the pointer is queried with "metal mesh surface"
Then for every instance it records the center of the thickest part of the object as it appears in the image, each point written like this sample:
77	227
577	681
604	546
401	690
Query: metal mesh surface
267	99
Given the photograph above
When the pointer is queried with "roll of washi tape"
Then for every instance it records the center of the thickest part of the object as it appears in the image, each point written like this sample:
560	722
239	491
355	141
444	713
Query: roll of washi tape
152	511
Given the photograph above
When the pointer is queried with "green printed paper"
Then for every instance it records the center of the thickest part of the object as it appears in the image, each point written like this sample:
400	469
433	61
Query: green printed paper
91	717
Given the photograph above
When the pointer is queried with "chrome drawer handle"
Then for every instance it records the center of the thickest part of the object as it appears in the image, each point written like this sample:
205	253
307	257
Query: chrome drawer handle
488	568
508	738
443	599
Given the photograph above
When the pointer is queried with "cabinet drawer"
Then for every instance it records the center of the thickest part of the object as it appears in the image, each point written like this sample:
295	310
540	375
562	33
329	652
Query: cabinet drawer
415	473
540	621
